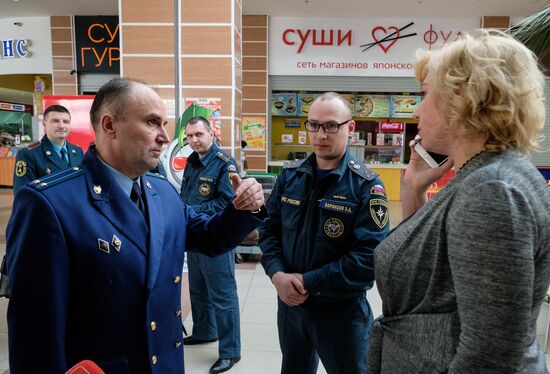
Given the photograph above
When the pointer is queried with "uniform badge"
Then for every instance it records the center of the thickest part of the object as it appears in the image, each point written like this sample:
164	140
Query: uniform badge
232	169
148	184
20	168
333	227
116	243
97	190
357	166
48	171
103	245
204	189
377	189
48	153
379	212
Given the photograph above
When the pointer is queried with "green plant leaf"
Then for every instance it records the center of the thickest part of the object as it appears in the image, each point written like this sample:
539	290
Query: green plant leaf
534	32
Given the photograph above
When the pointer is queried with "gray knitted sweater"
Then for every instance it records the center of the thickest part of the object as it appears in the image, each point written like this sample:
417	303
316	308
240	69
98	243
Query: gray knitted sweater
463	279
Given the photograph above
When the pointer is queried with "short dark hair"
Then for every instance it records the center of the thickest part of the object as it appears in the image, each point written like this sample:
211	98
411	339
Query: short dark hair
56	108
113	94
198	119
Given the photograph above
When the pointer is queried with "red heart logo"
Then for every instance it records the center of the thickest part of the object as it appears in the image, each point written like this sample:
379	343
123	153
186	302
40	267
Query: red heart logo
388	44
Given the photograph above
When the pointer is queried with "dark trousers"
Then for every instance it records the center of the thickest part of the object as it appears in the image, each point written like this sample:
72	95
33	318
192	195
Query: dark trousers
214	301
337	333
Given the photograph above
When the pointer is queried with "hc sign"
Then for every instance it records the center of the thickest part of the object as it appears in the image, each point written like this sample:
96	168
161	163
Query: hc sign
11	48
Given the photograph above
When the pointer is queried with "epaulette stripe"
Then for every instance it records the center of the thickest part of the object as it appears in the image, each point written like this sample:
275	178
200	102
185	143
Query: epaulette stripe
362	170
54	179
55	174
32	145
293	164
223	156
159	176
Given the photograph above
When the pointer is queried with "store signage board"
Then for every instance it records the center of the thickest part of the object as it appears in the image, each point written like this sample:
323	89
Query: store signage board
403	106
25	45
357	46
373	106
97	44
283	104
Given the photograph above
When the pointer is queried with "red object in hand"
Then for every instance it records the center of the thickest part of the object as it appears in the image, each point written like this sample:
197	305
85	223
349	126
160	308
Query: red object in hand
85	367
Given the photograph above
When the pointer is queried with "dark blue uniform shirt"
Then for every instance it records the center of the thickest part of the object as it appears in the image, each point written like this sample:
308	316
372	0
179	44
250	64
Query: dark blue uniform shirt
327	231
206	186
40	159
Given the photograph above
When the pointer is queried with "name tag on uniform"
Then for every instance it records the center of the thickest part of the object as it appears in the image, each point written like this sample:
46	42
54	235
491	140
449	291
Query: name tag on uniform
206	179
290	201
337	206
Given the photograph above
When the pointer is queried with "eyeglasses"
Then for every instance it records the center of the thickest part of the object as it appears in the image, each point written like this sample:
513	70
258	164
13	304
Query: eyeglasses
328	127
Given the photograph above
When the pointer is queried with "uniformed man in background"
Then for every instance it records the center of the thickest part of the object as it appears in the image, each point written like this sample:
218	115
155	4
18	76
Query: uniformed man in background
206	188
51	154
327	214
99	249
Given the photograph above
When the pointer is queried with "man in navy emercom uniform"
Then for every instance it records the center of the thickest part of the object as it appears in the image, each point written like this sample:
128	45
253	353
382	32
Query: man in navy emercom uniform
51	154
99	248
327	214
206	188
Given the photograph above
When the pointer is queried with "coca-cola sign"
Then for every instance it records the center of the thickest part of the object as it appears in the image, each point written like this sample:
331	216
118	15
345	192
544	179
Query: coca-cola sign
392	126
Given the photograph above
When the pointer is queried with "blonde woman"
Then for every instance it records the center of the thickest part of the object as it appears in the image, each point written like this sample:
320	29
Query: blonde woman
463	277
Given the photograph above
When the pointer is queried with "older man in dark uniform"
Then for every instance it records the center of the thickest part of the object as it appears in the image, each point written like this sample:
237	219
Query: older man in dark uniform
206	187
327	214
99	248
51	154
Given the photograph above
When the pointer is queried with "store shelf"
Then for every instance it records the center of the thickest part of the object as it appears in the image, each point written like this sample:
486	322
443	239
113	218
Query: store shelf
383	146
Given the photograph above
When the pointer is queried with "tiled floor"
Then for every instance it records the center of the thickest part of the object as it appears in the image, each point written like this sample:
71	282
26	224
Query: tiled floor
257	300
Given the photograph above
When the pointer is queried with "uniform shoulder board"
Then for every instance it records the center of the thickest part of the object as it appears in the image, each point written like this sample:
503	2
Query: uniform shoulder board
33	146
55	178
293	164
360	169
155	175
223	156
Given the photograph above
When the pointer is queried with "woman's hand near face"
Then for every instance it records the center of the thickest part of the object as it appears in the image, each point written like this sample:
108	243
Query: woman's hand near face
418	178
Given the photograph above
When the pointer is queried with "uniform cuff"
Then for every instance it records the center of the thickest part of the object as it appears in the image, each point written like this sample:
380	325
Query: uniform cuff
311	281
274	269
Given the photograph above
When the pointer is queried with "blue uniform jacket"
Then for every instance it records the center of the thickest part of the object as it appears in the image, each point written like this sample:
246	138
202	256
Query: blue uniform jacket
40	159
327	233
90	280
206	186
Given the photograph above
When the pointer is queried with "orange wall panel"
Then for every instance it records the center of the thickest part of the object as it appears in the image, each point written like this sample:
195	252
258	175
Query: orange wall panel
65	90
148	39
60	21
215	40
255	78
254	49
152	70
254	34
62	49
253	106
62	35
254	63
64	77
206	11
255	92
206	71
147	11
254	20
63	63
